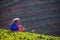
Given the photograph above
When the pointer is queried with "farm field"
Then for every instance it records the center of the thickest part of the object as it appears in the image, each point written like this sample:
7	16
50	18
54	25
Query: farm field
7	35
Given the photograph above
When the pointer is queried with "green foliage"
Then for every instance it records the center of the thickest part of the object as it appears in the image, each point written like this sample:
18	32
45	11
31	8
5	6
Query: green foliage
7	35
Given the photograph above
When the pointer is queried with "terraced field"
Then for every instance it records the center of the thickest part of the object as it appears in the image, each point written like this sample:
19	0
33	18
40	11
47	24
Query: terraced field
40	15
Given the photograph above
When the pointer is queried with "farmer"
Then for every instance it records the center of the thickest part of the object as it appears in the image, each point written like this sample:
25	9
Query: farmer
15	27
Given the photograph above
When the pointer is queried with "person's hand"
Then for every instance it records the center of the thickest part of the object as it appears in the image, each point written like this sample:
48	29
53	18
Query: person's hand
21	28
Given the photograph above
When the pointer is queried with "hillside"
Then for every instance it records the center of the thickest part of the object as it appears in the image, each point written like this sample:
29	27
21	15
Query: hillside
40	15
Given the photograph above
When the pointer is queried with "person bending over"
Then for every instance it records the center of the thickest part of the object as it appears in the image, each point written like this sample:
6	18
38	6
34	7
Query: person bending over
15	27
